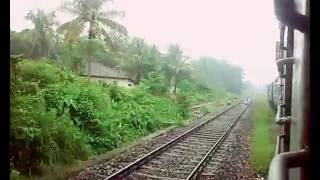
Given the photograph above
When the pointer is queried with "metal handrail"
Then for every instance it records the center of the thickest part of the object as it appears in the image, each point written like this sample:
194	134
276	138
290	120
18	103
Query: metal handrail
279	112
283	120
282	162
278	145
281	62
279	118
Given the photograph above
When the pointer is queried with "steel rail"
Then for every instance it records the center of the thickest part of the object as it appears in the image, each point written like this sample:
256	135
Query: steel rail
139	162
198	168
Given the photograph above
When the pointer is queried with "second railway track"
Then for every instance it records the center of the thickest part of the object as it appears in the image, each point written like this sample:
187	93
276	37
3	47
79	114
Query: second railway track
185	156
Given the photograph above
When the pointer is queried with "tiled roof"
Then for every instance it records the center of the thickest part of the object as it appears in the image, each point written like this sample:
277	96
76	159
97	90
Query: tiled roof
98	69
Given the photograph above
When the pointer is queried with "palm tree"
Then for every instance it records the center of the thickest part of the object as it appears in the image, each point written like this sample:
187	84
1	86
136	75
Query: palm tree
139	51
90	12
90	49
140	58
43	37
176	64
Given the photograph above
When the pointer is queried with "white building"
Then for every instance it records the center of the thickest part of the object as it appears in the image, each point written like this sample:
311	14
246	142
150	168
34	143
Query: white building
109	75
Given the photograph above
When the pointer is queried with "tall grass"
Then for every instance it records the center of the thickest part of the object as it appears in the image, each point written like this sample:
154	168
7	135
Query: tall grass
60	118
263	143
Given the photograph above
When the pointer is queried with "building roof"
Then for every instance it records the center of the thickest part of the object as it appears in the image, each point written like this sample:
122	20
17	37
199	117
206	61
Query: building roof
100	70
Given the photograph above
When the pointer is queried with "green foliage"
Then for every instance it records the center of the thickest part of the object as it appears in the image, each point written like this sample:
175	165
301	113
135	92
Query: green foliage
155	84
43	37
39	136
215	73
262	144
20	43
140	59
42	73
90	11
57	117
197	92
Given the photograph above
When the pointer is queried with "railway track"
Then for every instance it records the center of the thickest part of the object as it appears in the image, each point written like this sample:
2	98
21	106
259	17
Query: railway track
186	156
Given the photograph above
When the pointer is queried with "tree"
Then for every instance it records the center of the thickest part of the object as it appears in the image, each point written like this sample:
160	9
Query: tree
140	59
90	49
176	64
71	57
42	36
90	11
215	73
19	44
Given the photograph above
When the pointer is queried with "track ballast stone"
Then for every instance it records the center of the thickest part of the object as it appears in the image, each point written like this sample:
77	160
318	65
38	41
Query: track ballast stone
232	162
105	169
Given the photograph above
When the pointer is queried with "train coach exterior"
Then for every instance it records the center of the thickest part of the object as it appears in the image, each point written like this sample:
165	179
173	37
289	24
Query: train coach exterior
293	113
274	94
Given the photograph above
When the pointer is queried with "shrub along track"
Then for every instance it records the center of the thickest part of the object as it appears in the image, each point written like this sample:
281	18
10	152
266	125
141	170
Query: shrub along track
182	157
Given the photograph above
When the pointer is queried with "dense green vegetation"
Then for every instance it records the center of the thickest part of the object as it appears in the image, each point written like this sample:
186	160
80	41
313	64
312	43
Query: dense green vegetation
263	141
58	116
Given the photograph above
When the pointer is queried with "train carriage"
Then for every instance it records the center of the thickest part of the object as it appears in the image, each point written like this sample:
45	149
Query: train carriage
293	111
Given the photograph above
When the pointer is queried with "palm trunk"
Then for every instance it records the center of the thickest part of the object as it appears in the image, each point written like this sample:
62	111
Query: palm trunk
49	49
174	81
175	86
91	31
139	73
91	36
89	68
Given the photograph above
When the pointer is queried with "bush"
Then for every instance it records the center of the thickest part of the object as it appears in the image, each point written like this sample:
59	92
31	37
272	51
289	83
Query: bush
155	84
39	136
43	73
57	117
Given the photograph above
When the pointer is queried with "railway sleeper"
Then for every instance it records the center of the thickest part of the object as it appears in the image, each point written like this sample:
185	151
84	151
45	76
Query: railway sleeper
184	152
187	168
182	155
168	159
204	136
200	140
202	143
138	176
178	159
191	147
190	161
209	170
213	136
164	173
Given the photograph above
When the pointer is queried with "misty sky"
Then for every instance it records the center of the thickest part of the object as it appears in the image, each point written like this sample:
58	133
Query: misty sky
240	32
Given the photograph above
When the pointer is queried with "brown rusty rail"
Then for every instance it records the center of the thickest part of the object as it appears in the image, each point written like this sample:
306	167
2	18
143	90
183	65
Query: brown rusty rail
141	161
198	168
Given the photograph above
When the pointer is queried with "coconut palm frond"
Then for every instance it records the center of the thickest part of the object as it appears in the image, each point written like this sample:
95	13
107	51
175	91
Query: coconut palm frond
66	7
109	40
113	13
114	25
76	23
30	16
95	4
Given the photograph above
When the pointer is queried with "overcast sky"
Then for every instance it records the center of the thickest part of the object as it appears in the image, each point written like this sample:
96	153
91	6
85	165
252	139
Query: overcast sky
240	32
